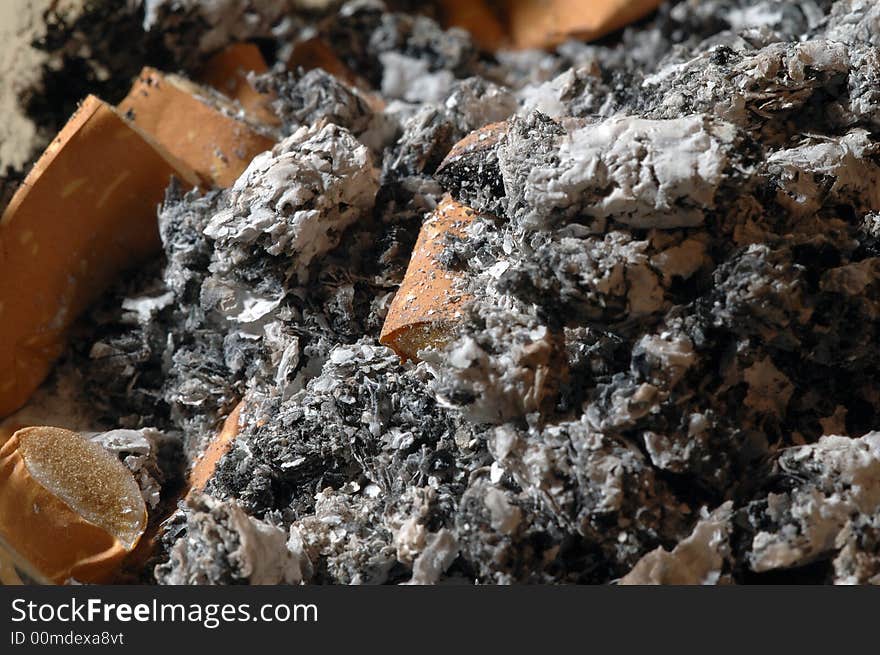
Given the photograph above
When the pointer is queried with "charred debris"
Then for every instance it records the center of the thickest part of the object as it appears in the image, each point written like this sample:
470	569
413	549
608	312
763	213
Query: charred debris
668	372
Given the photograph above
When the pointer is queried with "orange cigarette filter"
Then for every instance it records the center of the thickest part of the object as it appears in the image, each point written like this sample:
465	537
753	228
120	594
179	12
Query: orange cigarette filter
544	23
201	472
67	506
203	469
427	307
478	141
478	19
85	213
227	72
315	53
182	118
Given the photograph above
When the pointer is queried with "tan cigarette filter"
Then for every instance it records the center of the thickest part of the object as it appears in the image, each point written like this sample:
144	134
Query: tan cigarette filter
201	472
67	505
477	18
85	212
203	469
427	307
480	140
189	122
227	72
315	53
544	23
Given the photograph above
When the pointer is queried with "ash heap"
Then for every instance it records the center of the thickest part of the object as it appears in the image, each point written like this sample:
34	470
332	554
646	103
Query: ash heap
667	368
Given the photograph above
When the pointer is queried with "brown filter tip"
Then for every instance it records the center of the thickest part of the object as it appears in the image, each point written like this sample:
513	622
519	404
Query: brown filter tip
477	18
480	140
69	507
315	53
204	467
190	122
427	307
85	213
227	72
546	23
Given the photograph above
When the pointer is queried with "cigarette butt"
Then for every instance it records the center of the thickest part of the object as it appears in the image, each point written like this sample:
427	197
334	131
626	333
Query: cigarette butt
478	19
178	115
68	506
467	162
426	309
85	212
313	53
201	472
203	469
227	72
480	140
545	23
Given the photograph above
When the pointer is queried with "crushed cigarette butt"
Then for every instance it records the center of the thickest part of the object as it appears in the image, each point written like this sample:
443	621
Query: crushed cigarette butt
190	122
203	469
478	19
67	505
545	23
86	212
425	309
522	24
227	72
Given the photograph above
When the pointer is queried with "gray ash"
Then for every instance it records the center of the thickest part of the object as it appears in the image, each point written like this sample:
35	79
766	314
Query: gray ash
365	36
304	99
667	370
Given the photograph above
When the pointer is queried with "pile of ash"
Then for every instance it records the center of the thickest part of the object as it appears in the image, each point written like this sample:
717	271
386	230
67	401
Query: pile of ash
668	370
